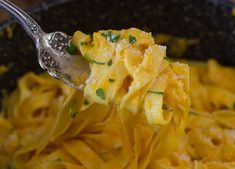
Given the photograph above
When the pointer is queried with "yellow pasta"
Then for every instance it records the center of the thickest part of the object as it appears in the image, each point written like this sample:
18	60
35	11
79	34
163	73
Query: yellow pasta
128	69
44	124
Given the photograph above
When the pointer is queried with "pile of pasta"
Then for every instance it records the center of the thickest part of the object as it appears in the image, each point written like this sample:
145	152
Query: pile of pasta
44	124
44	128
208	141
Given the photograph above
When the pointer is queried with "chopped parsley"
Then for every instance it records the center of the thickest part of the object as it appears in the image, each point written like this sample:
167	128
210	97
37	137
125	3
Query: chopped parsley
100	93
73	110
234	106
88	58
10	165
72	49
193	113
166	107
83	43
166	58
132	39
91	36
110	62
111	80
110	36
86	102
156	92
98	63
57	160
74	114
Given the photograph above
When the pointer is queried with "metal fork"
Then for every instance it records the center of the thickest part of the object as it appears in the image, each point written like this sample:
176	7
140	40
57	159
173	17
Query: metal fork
51	50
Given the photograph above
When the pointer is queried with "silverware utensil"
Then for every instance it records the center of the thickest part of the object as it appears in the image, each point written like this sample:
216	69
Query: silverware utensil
51	49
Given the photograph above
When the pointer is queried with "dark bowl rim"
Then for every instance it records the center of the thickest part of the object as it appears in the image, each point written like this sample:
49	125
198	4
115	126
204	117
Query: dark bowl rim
43	6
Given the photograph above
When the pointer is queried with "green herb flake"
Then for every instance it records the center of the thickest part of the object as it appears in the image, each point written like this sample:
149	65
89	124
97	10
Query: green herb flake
57	160
111	80
72	49
174	123
104	34
10	165
193	113
110	62
168	59
234	106
98	63
86	102
110	36
132	39
83	43
156	92
166	107
88	58
100	93
91	36
73	110
74	114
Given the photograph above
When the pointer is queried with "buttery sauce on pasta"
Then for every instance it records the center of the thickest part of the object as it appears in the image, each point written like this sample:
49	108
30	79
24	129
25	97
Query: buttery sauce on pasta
128	69
47	125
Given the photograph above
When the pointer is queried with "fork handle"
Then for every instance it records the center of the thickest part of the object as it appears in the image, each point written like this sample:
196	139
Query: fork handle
28	23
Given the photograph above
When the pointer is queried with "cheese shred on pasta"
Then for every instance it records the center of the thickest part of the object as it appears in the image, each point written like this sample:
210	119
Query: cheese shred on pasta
123	120
141	78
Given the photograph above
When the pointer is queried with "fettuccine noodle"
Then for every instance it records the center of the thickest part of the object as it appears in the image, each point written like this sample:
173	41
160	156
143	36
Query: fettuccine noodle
47	125
131	71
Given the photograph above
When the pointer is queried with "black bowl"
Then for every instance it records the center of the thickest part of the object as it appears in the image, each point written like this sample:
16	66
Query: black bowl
210	21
